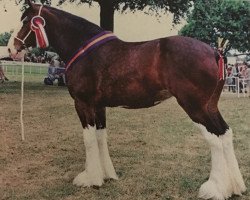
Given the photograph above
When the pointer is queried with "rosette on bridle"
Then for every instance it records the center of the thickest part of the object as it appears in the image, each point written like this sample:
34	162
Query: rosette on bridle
37	26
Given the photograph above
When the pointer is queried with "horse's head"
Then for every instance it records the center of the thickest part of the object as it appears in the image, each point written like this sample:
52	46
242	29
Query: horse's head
31	32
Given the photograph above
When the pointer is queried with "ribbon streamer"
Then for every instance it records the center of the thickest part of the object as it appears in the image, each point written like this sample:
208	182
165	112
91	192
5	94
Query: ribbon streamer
41	37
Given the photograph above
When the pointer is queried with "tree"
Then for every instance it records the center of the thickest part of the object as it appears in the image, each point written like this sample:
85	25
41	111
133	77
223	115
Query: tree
226	19
4	38
108	7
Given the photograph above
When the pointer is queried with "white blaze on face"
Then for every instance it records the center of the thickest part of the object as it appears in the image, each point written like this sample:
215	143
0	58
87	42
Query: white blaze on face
11	45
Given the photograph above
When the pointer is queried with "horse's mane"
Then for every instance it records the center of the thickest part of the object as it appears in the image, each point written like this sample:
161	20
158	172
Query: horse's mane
76	19
79	23
24	13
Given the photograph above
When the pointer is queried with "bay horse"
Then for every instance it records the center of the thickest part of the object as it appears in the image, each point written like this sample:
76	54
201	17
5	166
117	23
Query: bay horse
104	71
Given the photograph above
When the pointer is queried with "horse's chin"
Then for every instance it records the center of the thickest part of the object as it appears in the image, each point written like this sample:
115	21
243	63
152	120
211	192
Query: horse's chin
16	53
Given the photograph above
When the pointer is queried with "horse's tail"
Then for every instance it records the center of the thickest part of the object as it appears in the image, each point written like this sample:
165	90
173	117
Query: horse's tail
220	80
212	106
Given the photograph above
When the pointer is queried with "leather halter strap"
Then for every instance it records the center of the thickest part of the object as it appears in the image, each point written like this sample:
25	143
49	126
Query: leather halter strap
33	26
91	44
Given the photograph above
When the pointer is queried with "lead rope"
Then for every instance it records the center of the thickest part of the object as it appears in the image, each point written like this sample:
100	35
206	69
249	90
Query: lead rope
21	103
22	83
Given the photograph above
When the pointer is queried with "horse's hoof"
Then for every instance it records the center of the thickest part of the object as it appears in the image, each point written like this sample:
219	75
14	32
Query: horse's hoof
111	177
111	174
210	190
86	180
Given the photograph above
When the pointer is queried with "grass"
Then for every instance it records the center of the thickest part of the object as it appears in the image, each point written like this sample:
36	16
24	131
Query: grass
157	152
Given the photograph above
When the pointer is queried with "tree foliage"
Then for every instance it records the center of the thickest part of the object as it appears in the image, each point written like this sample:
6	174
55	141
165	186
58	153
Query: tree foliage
227	19
107	8
177	7
4	38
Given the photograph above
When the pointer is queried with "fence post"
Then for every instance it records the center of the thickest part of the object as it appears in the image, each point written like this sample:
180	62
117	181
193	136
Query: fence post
238	87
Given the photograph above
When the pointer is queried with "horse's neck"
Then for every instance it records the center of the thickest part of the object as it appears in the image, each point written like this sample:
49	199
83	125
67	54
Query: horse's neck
66	36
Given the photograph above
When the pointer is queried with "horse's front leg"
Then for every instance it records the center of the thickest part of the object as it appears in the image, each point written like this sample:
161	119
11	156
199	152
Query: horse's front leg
101	134
93	174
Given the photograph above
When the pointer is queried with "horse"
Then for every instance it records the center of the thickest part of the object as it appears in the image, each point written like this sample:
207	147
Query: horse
104	71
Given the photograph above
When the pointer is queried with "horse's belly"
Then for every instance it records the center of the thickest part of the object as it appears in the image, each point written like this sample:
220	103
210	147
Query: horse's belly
134	101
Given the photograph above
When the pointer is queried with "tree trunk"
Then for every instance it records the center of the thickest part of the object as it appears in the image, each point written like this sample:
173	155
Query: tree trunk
107	15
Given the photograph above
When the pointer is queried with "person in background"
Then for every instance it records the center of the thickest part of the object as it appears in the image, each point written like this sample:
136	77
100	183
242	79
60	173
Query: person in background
229	80
247	79
55	72
56	62
235	75
2	75
243	76
52	71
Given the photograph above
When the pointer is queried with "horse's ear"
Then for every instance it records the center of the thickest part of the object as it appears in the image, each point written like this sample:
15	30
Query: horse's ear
29	2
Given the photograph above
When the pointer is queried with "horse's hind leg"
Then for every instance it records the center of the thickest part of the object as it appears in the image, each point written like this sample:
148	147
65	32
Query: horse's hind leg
101	135
235	174
225	178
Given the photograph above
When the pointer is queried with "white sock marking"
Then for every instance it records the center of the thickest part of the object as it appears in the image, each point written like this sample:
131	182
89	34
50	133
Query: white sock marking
225	177
13	35
107	165
235	174
93	174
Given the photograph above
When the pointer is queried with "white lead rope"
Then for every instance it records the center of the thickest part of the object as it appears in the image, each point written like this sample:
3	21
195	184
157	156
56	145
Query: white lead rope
21	103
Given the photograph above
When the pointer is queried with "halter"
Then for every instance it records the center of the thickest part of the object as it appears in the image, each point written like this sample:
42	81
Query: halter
37	26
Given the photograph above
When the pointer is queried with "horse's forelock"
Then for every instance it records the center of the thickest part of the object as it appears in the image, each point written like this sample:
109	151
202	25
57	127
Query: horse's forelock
33	9
25	14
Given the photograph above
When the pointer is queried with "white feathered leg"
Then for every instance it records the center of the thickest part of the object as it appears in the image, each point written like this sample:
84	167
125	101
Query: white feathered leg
235	174
106	163
93	174
218	186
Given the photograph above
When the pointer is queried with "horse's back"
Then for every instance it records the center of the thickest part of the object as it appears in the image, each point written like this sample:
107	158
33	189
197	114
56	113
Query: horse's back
188	52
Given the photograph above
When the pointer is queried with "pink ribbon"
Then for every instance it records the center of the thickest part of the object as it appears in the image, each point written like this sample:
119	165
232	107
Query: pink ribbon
37	26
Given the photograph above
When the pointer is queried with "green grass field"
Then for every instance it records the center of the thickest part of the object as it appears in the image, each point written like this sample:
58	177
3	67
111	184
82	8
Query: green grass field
158	153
